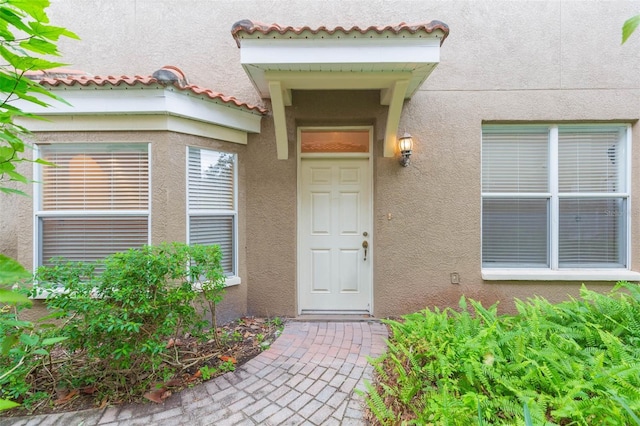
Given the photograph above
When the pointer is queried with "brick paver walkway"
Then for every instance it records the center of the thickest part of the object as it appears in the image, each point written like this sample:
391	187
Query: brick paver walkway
308	377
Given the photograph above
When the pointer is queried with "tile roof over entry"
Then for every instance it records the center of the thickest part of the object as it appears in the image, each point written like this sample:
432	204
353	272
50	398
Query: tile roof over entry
257	29
394	59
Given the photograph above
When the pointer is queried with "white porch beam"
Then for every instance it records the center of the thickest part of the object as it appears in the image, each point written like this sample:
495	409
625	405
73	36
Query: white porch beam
396	100
335	80
343	50
279	119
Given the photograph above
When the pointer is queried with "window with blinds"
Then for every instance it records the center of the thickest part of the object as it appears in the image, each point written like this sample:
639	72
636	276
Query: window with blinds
211	202
554	196
592	197
515	205
94	202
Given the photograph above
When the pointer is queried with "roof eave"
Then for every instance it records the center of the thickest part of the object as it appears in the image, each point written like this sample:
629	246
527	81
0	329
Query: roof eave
150	100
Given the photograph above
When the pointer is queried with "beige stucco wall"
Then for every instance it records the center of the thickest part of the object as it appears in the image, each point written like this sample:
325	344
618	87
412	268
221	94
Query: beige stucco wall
423	245
9	231
504	61
505	45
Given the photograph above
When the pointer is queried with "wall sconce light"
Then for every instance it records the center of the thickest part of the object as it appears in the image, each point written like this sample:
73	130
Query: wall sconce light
405	143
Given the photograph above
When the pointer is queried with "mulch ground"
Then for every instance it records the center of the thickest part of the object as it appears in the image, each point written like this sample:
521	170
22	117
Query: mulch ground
241	341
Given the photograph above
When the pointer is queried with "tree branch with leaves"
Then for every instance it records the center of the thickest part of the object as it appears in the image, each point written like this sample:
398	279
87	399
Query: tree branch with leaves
629	27
26	39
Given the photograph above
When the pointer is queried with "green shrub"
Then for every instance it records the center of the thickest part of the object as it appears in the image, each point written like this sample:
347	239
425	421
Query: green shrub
23	344
25	348
576	362
120	321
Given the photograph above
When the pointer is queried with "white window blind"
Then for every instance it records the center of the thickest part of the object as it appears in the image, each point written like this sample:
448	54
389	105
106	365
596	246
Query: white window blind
515	232
218	230
211	201
94	202
95	177
515	162
573	176
211	176
588	161
90	239
592	232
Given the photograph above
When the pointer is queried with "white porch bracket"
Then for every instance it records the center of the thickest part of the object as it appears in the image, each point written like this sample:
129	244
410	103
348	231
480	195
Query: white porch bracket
278	100
395	96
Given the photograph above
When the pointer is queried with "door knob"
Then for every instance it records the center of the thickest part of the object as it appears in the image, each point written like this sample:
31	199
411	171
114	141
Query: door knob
365	246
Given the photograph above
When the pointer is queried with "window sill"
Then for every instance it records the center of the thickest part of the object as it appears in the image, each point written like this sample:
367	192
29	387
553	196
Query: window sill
44	294
561	275
229	282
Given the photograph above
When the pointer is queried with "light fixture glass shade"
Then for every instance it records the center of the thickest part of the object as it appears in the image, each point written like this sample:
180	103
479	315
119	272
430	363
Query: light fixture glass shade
406	143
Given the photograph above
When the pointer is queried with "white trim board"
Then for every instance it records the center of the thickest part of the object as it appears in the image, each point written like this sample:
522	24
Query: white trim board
143	122
121	108
612	275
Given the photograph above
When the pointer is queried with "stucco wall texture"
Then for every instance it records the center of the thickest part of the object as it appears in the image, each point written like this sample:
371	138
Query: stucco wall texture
504	61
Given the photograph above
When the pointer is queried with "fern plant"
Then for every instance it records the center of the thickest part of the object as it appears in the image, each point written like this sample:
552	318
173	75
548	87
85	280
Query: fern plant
547	364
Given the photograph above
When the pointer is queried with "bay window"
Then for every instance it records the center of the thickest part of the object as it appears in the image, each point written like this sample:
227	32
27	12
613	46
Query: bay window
555	197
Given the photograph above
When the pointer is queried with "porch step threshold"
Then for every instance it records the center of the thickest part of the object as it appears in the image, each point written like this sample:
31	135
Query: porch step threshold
334	317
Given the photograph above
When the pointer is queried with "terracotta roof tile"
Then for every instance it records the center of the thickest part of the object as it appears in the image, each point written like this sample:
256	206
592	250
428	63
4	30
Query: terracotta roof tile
179	81
250	27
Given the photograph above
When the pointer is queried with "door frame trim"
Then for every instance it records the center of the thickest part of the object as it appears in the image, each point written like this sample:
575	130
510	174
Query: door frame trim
338	156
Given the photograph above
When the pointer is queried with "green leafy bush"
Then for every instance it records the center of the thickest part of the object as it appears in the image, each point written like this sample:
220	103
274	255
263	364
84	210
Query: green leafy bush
120	321
23	344
26	37
577	362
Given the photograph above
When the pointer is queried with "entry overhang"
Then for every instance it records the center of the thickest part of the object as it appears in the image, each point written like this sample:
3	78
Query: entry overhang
395	60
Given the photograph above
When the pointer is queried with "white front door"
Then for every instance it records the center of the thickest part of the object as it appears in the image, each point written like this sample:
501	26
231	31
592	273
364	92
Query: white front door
334	227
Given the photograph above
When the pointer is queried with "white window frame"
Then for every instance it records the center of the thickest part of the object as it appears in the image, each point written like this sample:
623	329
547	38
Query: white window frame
234	279
554	272
39	213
